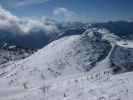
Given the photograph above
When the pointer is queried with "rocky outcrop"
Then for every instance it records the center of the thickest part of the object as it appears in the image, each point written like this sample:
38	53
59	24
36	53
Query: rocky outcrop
122	59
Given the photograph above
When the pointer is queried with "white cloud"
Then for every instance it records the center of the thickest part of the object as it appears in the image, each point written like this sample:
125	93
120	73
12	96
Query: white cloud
8	21
65	14
29	2
60	11
15	24
37	25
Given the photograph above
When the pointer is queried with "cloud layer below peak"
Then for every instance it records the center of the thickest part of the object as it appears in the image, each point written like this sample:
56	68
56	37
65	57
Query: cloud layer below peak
9	22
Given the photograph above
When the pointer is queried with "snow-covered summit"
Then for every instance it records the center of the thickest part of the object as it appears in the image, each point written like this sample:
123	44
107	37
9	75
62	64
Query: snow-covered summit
68	55
101	34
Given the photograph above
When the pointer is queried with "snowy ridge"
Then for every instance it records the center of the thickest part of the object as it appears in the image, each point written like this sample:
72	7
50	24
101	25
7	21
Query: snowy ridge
126	44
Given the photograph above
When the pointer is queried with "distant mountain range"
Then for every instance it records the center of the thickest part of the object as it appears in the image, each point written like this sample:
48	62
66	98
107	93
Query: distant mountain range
123	29
38	39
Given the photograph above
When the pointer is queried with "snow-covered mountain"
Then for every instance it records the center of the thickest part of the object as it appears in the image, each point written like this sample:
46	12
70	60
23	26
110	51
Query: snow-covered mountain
60	70
68	55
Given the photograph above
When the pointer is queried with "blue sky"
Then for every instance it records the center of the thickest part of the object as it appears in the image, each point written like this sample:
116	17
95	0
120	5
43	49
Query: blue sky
84	10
